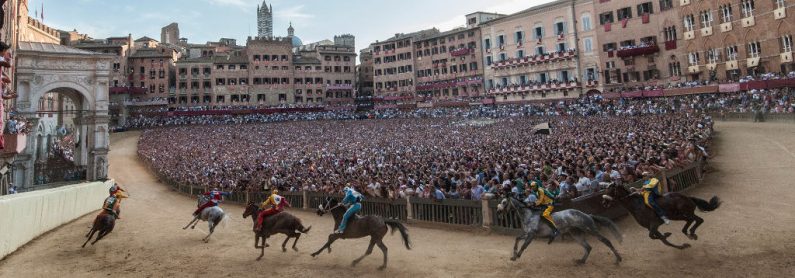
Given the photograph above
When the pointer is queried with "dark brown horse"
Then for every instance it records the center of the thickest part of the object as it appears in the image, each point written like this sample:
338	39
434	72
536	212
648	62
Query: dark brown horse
104	222
281	223
676	206
358	227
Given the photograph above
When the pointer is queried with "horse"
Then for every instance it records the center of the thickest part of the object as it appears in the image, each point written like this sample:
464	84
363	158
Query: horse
676	206
571	221
103	223
281	223
358	227
213	215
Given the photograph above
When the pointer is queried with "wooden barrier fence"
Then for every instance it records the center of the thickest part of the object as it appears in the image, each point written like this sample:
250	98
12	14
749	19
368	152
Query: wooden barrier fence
458	212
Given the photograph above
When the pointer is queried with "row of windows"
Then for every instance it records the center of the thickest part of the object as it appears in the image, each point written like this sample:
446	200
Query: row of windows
523	80
394	84
626	12
559	27
450	39
275	58
752	50
445	70
396	70
273	80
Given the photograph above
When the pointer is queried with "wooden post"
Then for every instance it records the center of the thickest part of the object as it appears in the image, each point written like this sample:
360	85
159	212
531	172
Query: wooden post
487	220
247	198
306	200
664	177
409	210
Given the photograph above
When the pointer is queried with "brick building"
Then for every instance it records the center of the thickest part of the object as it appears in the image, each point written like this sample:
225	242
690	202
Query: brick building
393	64
726	40
121	47
364	78
448	65
154	70
640	43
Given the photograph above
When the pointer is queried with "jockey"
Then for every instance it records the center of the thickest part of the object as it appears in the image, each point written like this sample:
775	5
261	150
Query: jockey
651	191
216	197
112	202
115	196
353	201
546	198
276	203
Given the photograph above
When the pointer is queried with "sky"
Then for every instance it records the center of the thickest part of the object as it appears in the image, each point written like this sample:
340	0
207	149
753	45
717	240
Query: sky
314	20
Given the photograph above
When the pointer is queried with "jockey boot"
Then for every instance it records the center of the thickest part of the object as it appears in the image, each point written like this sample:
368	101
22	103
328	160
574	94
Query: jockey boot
665	220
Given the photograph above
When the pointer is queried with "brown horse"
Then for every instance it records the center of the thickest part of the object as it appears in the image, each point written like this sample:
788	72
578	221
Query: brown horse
358	227
104	223
281	223
676	206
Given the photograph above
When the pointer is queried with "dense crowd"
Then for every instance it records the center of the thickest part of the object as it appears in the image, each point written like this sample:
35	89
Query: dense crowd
428	157
768	101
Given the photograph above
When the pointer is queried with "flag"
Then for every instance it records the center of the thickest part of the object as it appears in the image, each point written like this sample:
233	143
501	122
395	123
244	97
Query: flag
42	11
607	26
624	22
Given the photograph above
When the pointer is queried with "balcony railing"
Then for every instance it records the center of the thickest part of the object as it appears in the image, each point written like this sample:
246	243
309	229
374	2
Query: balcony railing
339	86
537	59
535	88
461	52
638	51
449	84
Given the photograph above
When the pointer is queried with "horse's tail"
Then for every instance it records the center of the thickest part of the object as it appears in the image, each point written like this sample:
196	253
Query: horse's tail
303	230
224	221
404	233
606	222
705	206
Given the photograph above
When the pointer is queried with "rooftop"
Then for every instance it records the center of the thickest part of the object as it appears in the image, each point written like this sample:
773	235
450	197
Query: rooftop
54	48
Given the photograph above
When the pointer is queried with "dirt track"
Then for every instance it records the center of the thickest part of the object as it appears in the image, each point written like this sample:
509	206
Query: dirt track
752	234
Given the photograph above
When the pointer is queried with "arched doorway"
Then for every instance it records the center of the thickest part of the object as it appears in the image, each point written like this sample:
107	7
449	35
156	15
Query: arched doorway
63	92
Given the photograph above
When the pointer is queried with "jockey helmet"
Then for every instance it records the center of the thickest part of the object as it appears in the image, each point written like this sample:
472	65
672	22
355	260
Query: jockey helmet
274	191
113	188
346	189
215	188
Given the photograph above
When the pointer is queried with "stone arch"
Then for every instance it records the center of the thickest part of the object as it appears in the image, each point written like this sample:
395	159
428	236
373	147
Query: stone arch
77	75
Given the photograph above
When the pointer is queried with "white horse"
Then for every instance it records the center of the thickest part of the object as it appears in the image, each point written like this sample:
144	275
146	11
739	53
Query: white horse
213	215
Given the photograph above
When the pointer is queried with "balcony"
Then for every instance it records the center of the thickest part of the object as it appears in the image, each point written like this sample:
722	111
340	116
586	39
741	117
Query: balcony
712	66
706	31
339	86
749	21
725	27
684	2
638	51
536	59
461	52
732	65
752	62
534	88
592	83
786	57
14	143
780	13
127	90
694	69
689	35
670	45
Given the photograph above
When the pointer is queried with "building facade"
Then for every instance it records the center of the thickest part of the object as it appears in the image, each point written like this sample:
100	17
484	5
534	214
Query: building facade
121	48
393	64
364	78
448	65
640	43
154	70
544	52
727	40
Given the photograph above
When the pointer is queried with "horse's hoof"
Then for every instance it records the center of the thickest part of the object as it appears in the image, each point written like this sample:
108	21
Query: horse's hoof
284	249
666	235
354	263
295	249
693	237
259	258
579	262
685	246
382	267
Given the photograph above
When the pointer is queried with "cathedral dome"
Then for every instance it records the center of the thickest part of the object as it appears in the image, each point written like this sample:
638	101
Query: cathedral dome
296	41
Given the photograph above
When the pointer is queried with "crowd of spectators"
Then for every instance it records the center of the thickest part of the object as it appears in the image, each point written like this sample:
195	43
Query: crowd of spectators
438	153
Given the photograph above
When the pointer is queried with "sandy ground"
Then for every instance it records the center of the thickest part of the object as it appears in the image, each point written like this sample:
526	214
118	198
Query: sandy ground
752	234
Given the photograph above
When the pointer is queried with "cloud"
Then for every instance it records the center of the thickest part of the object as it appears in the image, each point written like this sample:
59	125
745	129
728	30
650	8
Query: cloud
237	3
295	12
